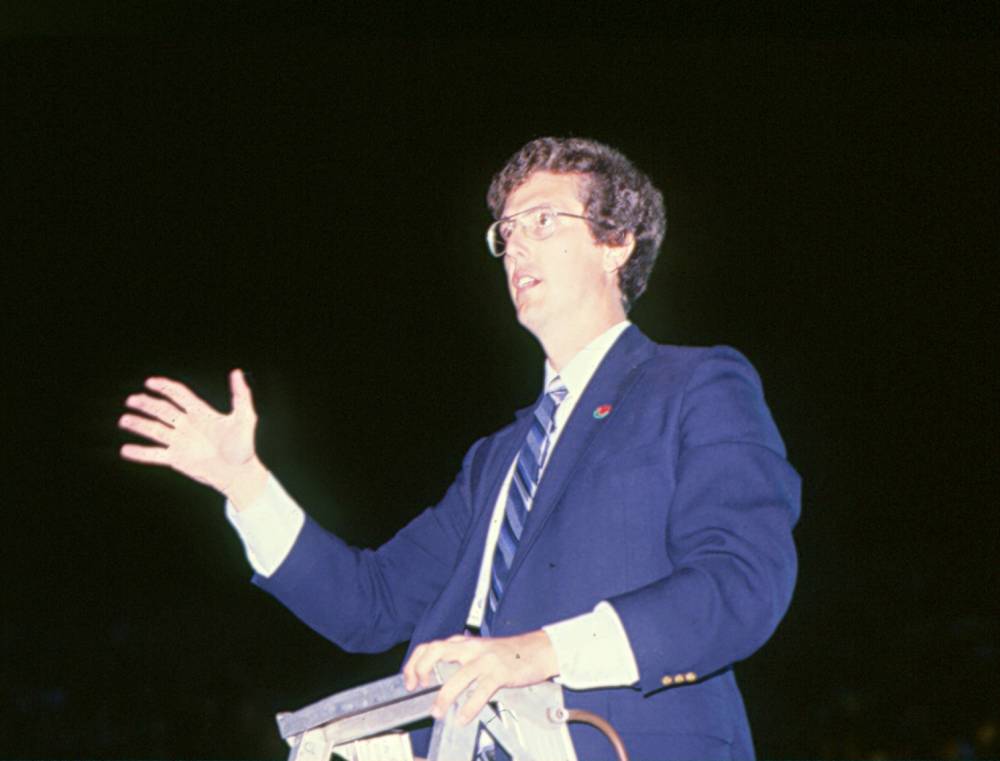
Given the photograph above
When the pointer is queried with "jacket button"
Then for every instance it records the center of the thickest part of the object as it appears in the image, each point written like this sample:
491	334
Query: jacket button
690	676
667	681
679	678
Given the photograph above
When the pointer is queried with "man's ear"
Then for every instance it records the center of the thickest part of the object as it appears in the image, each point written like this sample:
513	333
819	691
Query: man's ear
616	256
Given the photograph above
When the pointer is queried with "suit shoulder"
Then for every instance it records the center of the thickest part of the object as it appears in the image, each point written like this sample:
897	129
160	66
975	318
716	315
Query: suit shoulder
680	363
720	394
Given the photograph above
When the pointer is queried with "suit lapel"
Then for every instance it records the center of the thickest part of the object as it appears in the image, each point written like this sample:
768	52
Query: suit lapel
494	472
609	384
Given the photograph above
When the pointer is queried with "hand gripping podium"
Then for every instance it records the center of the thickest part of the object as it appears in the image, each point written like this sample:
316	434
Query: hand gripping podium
533	726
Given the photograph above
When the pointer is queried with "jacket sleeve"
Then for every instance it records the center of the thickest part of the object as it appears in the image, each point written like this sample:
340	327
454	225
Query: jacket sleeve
370	600
729	533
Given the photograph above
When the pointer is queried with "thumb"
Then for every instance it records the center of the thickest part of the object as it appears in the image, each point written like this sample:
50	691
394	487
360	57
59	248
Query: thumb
242	398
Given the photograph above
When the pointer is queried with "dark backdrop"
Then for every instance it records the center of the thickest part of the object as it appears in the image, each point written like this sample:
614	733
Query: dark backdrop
311	208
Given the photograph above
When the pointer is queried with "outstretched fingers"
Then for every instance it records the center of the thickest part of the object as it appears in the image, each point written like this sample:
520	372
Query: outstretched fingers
154	430
148	455
242	397
179	394
159	409
198	441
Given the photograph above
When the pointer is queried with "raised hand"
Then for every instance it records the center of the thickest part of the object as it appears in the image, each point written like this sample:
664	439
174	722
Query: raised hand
194	439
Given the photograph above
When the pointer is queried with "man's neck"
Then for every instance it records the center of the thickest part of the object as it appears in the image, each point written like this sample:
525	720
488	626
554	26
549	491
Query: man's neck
561	346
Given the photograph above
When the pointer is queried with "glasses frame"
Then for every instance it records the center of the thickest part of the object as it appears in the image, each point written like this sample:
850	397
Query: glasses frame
492	235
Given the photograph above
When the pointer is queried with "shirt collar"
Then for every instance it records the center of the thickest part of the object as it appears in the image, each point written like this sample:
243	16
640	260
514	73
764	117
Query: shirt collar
579	370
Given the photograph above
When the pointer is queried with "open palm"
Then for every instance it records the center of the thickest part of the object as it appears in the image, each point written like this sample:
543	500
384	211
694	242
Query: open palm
192	437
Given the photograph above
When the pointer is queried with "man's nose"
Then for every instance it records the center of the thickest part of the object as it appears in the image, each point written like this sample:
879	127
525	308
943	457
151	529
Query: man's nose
516	245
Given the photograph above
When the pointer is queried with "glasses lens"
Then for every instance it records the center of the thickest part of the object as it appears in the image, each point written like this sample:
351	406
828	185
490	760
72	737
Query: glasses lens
499	234
494	240
541	223
506	229
538	223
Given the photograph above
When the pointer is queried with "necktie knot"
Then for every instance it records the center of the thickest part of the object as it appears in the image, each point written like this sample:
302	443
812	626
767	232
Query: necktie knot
557	390
546	410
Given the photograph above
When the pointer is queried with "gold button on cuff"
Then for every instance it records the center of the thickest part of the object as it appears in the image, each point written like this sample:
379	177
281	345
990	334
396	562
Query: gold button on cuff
679	678
667	681
690	676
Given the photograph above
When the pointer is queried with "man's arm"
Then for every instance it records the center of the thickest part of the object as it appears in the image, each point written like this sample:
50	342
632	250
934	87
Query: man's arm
729	538
364	600
268	527
369	600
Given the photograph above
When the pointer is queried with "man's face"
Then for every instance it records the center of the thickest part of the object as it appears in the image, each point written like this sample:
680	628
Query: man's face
557	281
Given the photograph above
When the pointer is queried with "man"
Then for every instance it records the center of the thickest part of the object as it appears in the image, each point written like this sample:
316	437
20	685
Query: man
628	535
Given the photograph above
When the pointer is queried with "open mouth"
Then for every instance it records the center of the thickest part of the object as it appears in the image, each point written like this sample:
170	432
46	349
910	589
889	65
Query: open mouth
524	282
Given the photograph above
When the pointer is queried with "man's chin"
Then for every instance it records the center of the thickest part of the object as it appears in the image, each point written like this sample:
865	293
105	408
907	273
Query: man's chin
531	318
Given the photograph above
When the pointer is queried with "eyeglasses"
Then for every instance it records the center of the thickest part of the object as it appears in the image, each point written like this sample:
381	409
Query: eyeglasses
538	223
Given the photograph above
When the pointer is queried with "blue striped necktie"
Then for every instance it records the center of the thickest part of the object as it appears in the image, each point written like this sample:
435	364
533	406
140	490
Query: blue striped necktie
523	484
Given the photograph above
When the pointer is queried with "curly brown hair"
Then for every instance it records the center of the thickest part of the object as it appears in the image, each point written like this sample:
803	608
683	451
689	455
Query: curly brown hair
617	197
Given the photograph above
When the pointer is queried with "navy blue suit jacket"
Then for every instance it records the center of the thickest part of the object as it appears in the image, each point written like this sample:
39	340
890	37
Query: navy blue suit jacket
677	508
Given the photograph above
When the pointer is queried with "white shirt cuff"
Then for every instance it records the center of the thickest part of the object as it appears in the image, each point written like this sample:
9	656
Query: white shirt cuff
593	650
268	527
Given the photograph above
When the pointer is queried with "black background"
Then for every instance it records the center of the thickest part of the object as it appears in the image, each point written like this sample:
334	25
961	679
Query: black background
187	192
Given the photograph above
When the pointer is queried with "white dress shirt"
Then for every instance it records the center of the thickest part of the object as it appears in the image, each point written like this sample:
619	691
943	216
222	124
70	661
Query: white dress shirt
592	649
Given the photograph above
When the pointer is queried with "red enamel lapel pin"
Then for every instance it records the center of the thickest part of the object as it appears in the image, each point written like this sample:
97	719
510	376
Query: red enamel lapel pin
602	412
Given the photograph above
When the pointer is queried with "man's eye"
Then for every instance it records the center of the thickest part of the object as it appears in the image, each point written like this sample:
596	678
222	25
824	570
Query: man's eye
545	218
506	229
